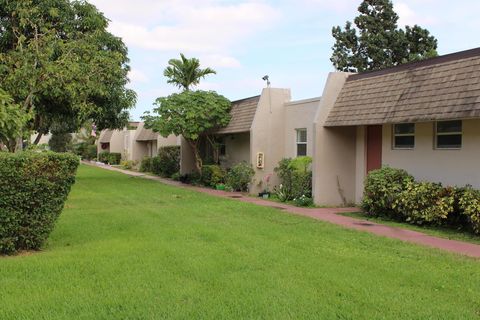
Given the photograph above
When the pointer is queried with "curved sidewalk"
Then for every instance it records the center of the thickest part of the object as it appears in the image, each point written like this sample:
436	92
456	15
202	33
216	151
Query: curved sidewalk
329	215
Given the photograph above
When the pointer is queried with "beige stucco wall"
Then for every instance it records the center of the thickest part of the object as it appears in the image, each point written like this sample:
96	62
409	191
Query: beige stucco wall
43	140
334	160
299	115
267	135
424	162
237	147
360	163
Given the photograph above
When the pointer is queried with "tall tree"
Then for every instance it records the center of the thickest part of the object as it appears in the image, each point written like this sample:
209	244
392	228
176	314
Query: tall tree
12	121
59	63
189	114
376	42
185	72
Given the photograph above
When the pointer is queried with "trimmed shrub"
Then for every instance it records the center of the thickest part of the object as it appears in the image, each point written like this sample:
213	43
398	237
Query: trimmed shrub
424	203
167	162
296	178
303	201
85	150
190	178
33	190
382	188
114	158
60	142
146	165
240	176
128	164
103	157
212	175
469	203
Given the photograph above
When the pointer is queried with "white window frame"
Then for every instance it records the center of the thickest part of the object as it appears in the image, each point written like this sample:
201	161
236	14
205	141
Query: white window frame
298	142
436	134
394	135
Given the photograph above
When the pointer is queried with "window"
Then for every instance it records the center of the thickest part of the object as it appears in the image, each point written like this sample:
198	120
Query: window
301	142
448	134
404	136
222	147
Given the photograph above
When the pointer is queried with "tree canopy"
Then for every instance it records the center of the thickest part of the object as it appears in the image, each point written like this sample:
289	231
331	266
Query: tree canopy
376	42
189	114
59	63
12	121
185	72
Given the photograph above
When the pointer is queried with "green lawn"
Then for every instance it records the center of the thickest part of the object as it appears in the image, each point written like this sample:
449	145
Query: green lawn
128	248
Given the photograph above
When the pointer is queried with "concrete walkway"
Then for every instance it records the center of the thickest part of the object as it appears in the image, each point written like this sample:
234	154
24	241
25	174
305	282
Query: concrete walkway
328	214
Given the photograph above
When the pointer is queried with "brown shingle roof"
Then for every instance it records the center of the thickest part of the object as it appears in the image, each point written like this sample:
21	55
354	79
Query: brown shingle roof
106	136
146	135
442	88
243	112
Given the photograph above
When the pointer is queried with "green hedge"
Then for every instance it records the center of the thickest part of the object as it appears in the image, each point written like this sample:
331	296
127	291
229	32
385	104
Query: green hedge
240	176
112	158
167	162
296	179
33	190
146	165
394	193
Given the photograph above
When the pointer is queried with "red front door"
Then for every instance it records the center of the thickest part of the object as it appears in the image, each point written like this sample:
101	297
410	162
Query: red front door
374	147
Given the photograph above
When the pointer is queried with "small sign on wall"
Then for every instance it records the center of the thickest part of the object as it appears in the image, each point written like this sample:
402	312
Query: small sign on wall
260	160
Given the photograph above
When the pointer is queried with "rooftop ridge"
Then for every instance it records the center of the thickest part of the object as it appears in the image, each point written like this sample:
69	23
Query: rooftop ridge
418	64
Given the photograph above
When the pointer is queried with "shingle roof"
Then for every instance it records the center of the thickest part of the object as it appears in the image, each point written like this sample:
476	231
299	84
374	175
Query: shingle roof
243	112
442	88
106	136
146	135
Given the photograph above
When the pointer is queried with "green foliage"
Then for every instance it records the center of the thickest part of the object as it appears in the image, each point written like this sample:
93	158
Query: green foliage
212	175
377	42
146	165
296	178
60	142
240	176
382	187
424	202
112	158
85	150
59	62
303	201
12	120
185	72
167	162
128	164
33	189
393	193
469	203
189	114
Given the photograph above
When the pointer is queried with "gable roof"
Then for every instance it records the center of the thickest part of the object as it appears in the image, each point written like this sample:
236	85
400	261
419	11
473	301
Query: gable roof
441	88
106	136
242	112
146	135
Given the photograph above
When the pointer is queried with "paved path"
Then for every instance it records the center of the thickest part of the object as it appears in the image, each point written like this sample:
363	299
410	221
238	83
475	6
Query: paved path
330	215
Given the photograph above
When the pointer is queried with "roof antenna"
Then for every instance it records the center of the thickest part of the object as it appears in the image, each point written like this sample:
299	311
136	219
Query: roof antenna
267	78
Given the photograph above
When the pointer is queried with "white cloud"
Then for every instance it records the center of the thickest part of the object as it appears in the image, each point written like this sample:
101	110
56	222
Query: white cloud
219	61
410	17
136	75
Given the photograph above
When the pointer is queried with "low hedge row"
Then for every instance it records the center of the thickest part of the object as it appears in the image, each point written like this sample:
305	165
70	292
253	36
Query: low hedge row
33	190
167	162
395	194
112	158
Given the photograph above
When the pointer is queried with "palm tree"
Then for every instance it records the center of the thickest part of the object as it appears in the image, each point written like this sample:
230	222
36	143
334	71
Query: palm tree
185	72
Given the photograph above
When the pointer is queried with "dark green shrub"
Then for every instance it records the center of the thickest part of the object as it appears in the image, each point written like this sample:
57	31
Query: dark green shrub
382	188
33	190
167	162
424	203
114	158
190	178
104	157
212	175
60	142
303	201
296	178
176	176
469	203
85	150
146	165
240	176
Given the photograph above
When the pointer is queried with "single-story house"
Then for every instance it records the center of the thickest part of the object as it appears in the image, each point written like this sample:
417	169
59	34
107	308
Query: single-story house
263	130
134	142
423	117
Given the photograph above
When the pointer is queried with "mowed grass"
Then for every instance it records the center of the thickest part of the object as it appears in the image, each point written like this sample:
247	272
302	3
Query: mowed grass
128	248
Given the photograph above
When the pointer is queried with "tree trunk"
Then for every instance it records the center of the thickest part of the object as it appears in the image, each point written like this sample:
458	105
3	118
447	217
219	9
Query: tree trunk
37	139
196	153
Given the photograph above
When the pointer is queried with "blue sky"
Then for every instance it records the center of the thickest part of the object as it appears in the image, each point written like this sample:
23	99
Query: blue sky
243	40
